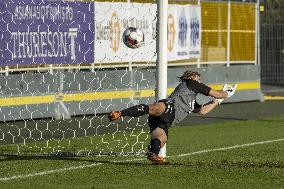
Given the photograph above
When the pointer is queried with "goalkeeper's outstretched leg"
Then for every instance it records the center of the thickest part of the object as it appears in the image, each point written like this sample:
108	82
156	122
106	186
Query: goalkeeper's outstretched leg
155	109
174	109
161	115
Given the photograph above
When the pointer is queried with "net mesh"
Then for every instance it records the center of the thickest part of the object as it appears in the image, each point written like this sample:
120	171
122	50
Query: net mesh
63	66
59	105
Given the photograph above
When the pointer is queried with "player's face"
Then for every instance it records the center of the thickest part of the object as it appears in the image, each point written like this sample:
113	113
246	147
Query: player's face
196	78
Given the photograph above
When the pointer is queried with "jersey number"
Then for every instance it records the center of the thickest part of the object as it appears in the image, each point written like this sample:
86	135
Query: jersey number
191	105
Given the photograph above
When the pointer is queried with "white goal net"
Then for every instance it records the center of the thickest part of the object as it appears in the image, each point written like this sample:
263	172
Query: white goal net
63	66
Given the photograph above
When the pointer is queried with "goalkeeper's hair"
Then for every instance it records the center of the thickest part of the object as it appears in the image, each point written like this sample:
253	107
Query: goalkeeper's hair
188	75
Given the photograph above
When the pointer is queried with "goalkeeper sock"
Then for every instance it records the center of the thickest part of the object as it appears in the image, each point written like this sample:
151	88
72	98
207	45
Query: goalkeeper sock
163	151
155	146
136	111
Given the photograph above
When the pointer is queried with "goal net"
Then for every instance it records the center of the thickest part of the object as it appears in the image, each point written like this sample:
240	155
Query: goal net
64	67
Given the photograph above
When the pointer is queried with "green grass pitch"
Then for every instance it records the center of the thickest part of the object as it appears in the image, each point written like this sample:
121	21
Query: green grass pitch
210	159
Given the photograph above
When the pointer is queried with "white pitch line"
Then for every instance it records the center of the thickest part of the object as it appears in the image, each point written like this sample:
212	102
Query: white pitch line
49	172
229	148
97	164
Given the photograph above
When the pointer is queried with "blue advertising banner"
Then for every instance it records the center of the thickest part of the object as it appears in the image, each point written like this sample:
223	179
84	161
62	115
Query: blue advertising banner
46	32
184	32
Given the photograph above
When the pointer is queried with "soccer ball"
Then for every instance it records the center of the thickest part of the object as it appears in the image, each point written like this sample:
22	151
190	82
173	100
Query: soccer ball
133	37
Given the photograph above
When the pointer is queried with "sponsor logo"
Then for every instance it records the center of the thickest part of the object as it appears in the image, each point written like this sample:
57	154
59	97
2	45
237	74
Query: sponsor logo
194	27
183	28
171	32
44	44
115	32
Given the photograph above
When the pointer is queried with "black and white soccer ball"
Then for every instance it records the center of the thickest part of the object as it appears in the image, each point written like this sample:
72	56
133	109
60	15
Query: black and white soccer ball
133	37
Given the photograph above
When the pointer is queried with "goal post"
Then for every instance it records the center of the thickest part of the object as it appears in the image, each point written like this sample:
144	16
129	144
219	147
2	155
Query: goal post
162	54
162	49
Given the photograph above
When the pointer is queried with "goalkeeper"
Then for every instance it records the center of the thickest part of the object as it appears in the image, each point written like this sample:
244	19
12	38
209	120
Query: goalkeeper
175	108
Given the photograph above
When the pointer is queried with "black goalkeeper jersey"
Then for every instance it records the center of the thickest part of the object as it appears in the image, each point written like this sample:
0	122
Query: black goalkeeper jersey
184	98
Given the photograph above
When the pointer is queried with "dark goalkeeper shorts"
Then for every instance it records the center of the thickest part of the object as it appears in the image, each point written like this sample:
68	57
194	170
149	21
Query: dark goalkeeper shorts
165	120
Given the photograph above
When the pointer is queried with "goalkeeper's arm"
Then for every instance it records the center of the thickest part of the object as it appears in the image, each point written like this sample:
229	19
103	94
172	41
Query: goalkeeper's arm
208	107
218	94
226	92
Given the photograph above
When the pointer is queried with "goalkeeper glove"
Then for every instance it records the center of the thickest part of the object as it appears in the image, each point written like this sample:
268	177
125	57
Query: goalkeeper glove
231	90
225	87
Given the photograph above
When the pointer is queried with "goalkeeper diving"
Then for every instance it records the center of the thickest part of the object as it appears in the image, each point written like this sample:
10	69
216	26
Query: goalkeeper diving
174	109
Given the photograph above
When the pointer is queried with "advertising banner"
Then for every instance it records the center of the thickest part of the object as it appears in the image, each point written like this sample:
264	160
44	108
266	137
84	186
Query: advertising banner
172	32
184	32
111	21
46	32
195	31
71	32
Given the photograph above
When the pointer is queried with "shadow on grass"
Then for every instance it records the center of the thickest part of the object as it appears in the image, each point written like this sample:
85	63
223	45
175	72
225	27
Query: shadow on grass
142	161
92	159
6	157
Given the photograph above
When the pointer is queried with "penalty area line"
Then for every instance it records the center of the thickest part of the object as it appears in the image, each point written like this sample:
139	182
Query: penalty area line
98	164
